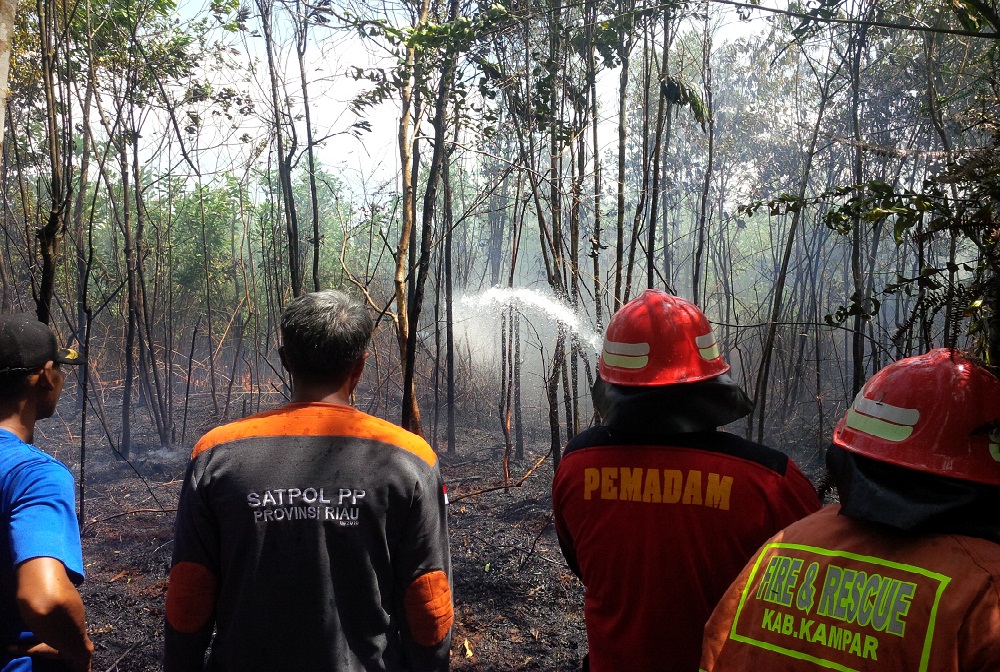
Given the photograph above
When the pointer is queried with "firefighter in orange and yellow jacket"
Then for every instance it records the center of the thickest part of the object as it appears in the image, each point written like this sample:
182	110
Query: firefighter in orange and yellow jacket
903	574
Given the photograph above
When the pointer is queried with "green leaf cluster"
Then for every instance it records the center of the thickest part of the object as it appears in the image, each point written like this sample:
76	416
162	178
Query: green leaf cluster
866	308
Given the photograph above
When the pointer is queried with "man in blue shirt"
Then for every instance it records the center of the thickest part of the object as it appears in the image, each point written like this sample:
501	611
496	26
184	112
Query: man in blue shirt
42	626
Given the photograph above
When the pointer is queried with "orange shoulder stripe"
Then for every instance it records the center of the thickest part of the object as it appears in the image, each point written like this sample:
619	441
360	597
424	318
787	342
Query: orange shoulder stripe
317	419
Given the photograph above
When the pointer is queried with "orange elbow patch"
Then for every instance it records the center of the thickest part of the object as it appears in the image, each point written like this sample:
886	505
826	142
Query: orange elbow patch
191	595
428	608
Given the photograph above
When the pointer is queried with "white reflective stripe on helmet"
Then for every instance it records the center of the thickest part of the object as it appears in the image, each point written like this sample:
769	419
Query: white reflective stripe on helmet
882	420
626	355
883	411
877	428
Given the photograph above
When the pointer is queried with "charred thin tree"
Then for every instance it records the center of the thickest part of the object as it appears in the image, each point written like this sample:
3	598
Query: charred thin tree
149	371
857	50
626	42
517	226
518	413
436	373
82	228
638	217
506	379
300	16
237	352
935	113
409	94
8	9
411	410
449	298
578	169
705	210
552	395
589	22
661	144
189	378
83	240
206	254
285	144
59	134
669	31
125	223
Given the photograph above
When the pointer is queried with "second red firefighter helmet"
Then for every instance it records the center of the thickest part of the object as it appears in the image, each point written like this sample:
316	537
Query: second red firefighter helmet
659	339
938	413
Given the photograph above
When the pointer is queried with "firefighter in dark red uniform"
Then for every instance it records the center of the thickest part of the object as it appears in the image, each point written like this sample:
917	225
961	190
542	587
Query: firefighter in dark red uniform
655	509
903	574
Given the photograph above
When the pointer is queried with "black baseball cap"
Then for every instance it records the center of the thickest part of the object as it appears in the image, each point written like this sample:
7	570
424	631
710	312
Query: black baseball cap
26	344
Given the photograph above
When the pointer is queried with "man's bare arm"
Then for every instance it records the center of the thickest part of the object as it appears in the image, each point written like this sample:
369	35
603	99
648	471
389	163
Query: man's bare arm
51	607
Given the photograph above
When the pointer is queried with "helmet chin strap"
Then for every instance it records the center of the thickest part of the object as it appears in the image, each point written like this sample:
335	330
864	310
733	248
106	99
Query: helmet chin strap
670	409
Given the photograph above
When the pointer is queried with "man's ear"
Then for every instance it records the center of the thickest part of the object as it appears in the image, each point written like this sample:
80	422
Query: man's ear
45	375
359	366
354	376
281	356
356	371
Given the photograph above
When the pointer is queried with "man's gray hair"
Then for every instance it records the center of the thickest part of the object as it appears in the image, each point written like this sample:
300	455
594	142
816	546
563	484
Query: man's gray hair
324	334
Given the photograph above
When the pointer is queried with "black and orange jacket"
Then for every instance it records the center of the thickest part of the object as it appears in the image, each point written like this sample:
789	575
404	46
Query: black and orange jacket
311	537
657	525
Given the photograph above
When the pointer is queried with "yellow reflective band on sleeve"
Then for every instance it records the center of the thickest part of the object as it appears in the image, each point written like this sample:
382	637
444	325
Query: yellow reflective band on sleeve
995	446
750	587
878	428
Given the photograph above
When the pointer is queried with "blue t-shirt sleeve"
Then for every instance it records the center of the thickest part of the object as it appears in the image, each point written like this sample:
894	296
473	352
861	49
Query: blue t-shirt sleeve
43	522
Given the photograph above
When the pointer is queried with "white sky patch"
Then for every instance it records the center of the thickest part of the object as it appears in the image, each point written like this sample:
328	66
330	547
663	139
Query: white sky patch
358	157
362	160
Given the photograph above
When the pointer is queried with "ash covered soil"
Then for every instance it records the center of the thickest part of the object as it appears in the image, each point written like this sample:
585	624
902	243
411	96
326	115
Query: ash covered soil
517	606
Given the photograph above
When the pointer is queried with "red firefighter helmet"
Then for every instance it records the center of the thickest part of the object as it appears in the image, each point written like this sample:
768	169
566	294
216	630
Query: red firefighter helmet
659	339
938	413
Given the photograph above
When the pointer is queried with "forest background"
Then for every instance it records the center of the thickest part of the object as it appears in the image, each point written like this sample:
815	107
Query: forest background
823	182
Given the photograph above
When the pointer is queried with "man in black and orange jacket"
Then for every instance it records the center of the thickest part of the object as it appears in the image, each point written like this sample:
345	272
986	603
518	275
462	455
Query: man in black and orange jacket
656	511
313	536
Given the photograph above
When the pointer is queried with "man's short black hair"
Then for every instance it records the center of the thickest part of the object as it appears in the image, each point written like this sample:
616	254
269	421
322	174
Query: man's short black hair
12	384
324	334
